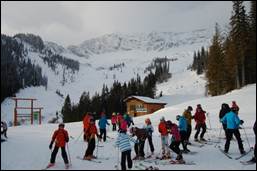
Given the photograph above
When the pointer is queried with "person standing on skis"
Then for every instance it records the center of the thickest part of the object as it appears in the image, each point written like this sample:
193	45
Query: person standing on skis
148	126
123	142
60	137
90	134
164	138
232	121
200	123
188	115
175	139
114	121
182	124
102	125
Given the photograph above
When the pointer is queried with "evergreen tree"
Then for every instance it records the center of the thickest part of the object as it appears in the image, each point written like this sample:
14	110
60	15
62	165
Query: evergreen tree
67	110
240	37
215	65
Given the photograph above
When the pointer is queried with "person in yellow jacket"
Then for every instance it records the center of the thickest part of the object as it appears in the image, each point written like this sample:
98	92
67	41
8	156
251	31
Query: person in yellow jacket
188	115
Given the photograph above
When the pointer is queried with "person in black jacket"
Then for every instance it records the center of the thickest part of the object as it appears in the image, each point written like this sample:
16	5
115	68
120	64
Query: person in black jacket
224	109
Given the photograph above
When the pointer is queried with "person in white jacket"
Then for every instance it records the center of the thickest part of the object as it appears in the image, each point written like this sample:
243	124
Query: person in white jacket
123	143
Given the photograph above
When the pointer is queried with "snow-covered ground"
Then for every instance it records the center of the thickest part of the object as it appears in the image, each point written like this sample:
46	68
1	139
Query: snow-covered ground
27	146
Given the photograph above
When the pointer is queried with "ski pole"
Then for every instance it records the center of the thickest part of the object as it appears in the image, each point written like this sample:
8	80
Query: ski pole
78	137
97	148
219	137
209	120
246	137
69	153
118	163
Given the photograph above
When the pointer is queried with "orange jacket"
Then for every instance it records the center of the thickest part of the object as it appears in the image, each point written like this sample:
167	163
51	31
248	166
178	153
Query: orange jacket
60	137
162	129
86	121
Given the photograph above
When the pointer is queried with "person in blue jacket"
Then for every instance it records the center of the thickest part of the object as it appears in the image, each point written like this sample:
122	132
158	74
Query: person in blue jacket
232	121
182	125
102	125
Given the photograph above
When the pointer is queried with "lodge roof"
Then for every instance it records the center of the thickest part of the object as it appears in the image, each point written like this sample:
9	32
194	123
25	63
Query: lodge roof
145	99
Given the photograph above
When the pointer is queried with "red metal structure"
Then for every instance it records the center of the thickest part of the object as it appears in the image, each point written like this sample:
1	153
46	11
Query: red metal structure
16	115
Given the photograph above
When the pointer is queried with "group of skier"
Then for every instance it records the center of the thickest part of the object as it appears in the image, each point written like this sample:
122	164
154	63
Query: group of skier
180	134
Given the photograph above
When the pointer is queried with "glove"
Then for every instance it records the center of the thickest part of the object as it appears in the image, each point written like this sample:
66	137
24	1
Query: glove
51	145
241	122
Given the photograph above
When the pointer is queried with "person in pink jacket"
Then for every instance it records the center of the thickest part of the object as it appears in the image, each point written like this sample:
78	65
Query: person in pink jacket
114	121
175	139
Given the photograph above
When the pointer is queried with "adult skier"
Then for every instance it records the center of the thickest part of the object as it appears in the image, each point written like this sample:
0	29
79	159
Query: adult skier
102	125
200	123
188	115
175	139
183	131
148	126
232	121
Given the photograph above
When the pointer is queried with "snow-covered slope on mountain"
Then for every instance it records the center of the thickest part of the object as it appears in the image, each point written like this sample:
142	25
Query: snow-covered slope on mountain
136	52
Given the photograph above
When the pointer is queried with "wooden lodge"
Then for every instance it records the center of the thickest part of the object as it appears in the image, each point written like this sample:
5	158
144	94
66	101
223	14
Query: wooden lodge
139	105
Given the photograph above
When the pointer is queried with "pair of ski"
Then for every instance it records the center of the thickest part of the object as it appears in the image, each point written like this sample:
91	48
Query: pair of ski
250	162
50	166
168	162
97	160
236	158
141	166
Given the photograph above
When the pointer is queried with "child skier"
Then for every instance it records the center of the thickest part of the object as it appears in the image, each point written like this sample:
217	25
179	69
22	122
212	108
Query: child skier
183	131
141	135
175	139
148	126
114	121
60	137
123	142
102	125
90	134
164	138
232	121
200	123
188	115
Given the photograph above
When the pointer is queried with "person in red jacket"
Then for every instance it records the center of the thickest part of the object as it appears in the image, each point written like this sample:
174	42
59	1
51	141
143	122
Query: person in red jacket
86	123
114	121
119	119
90	134
200	123
60	137
164	138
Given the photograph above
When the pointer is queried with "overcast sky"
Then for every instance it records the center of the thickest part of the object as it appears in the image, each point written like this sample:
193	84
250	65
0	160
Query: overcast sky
69	23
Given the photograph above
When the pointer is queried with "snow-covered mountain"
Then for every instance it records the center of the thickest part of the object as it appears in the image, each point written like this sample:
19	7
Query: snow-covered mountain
97	56
154	41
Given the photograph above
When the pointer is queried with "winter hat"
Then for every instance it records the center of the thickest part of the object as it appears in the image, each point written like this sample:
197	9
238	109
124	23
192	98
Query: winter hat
61	125
189	108
113	113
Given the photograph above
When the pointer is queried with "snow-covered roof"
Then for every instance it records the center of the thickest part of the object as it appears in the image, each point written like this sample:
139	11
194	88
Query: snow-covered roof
145	99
